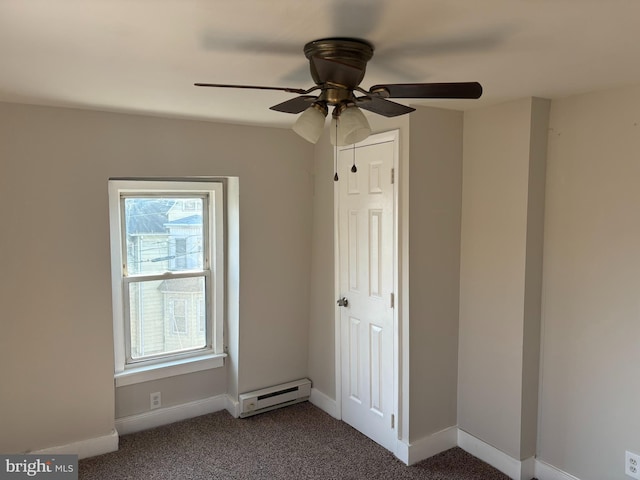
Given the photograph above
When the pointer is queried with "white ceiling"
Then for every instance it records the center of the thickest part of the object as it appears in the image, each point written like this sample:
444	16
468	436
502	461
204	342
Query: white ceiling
144	55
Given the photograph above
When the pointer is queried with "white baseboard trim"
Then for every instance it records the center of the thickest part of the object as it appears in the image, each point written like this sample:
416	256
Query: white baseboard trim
402	451
85	448
516	469
544	471
233	406
528	468
323	402
164	416
427	446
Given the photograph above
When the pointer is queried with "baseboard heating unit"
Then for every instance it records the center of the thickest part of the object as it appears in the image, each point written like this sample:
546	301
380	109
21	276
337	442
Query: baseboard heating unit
252	403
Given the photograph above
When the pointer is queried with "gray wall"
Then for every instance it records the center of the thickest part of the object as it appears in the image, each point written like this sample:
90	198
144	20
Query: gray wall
56	346
321	316
500	273
435	196
591	355
134	399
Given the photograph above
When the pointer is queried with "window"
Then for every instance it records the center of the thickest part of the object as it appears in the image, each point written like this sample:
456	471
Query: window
178	319
167	275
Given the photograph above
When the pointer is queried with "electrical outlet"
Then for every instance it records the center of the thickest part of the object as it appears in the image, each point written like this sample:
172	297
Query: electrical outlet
156	400
632	465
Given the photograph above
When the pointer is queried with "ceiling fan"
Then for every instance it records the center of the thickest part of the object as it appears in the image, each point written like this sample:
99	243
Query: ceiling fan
338	67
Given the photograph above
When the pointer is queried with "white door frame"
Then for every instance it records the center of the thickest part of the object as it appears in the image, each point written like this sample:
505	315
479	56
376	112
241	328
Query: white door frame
390	136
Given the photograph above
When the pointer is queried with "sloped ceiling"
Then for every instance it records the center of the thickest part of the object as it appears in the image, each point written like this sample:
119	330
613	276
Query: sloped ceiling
143	56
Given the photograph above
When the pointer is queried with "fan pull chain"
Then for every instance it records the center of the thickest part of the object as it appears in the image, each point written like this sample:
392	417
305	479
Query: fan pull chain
354	169
335	176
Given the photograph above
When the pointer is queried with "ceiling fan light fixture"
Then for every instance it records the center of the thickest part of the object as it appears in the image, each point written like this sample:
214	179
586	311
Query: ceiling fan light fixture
310	123
353	127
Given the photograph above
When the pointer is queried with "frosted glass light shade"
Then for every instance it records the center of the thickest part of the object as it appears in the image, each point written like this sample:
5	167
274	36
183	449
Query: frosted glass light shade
310	124
353	127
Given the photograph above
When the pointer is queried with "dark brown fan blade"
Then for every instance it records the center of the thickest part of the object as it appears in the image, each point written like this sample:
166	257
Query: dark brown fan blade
295	105
337	72
383	107
431	90
254	87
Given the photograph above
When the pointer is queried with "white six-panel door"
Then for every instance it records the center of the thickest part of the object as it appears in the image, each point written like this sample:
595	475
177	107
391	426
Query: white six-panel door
366	280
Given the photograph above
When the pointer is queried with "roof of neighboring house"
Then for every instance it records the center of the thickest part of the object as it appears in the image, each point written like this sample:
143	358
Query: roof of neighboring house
182	285
147	215
190	220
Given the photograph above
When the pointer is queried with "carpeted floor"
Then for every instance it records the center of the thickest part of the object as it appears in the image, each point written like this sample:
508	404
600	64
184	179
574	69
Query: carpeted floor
296	442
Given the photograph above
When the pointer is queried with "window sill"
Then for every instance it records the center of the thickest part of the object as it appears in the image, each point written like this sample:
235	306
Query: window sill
172	368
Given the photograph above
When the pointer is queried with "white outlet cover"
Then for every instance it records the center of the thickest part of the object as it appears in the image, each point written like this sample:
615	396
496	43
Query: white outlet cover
632	465
156	400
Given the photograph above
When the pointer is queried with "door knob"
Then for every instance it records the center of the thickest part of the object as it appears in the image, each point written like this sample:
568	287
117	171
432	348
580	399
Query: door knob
343	302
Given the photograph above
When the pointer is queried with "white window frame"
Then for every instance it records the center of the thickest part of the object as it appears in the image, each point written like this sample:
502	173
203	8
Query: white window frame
212	356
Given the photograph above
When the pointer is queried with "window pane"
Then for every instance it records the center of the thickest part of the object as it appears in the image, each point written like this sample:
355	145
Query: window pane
202	316
164	316
163	234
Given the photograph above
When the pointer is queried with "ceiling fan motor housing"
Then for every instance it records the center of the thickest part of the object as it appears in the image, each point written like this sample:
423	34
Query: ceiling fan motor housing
353	52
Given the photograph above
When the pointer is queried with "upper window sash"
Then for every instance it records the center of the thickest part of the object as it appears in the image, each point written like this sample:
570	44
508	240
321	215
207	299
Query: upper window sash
207	229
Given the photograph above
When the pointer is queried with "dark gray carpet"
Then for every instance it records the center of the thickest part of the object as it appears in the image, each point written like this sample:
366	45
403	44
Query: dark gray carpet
296	442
